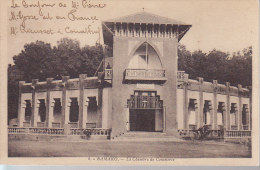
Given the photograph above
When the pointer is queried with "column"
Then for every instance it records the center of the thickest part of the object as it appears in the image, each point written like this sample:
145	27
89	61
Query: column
21	114
85	112
215	105
115	29
67	111
250	108
211	112
152	31
134	29
63	102
51	107
140	31
34	82
81	99
47	122
159	31
36	112
227	125
201	102
128	31
99	111
236	115
164	118
196	113
20	105
224	115
239	120
121	30
127	119
185	102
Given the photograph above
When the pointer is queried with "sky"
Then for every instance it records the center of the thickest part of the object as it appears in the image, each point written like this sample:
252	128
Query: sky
229	25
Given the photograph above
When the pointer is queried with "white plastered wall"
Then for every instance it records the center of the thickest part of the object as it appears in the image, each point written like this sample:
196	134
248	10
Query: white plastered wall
158	120
180	108
106	108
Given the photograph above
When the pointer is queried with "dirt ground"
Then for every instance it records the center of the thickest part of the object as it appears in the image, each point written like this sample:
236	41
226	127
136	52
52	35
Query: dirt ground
185	149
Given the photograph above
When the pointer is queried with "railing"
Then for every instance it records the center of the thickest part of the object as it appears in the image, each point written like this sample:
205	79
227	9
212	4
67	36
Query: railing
220	127
233	127
105	132
180	75
56	124
26	124
75	131
245	127
145	102
108	74
14	130
144	74
192	127
209	127
40	124
94	131
91	125
59	131
73	124
237	134
51	131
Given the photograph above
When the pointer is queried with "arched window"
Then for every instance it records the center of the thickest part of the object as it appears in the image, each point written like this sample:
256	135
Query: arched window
145	57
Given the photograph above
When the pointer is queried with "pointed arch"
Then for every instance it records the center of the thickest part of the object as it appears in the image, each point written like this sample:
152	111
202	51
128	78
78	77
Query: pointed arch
150	43
145	55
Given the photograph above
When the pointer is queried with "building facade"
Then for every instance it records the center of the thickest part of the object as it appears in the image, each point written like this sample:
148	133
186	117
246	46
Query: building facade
139	89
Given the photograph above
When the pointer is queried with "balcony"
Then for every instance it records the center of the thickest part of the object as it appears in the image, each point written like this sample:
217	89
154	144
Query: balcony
181	75
145	74
108	74
145	102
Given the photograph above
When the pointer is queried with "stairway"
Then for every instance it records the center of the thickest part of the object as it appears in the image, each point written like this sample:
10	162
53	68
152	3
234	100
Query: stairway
146	136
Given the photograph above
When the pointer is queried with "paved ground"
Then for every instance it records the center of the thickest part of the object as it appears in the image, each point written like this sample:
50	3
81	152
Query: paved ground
186	149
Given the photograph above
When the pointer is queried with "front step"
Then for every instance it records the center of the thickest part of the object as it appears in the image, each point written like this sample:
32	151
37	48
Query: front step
146	136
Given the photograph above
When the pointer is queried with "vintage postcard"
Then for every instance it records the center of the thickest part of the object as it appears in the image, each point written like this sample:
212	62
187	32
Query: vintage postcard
106	82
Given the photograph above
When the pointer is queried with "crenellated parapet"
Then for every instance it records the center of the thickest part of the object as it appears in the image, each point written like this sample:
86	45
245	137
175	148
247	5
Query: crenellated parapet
58	85
211	87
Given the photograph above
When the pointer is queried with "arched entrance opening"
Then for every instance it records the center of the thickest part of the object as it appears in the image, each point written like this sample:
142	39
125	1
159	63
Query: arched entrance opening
145	112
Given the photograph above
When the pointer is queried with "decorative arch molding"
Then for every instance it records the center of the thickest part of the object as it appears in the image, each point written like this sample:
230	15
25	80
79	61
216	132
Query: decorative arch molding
157	50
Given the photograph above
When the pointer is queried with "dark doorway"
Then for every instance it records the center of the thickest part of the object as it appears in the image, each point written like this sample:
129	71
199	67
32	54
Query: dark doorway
142	120
74	110
28	111
42	110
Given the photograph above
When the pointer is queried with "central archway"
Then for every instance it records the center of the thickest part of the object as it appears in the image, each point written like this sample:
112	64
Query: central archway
145	112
